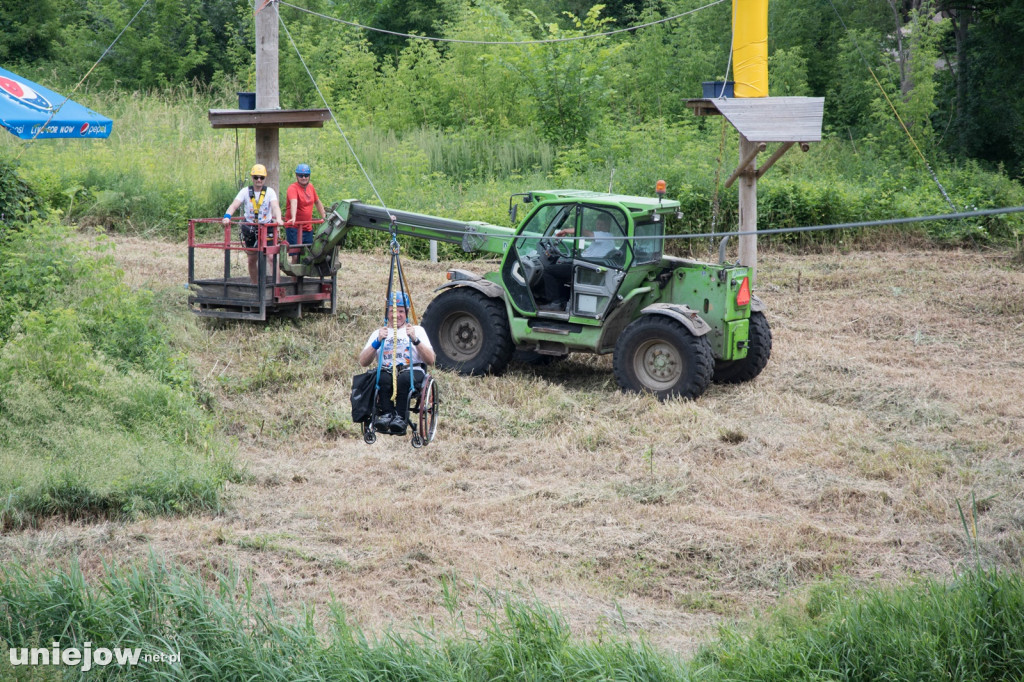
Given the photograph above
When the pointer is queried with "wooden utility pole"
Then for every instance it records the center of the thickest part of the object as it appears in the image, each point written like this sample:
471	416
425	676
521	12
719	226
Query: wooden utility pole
267	98
268	117
747	198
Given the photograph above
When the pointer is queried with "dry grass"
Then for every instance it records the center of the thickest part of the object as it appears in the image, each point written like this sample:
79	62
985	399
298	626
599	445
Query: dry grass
893	391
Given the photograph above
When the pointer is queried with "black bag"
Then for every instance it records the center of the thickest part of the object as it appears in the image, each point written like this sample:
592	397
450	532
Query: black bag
362	395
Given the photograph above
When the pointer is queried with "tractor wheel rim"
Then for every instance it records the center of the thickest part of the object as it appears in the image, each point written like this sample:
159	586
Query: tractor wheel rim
658	365
461	336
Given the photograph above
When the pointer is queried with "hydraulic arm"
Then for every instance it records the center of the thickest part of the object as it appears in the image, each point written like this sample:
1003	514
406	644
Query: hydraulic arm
319	258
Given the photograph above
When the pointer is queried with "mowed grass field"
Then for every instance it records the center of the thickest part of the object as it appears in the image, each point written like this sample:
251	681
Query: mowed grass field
893	392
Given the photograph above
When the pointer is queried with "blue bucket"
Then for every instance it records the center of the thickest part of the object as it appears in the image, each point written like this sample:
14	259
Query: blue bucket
247	100
713	89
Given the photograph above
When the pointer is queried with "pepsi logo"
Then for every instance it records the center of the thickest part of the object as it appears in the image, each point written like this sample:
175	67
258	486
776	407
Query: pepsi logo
84	129
23	94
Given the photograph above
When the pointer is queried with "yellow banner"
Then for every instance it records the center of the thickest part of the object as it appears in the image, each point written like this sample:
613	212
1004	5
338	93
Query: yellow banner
750	47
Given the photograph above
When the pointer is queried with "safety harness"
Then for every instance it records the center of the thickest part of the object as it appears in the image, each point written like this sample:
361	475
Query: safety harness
256	204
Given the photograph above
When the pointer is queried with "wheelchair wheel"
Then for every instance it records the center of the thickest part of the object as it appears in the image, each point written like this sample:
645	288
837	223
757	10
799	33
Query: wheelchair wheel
417	440
428	409
369	436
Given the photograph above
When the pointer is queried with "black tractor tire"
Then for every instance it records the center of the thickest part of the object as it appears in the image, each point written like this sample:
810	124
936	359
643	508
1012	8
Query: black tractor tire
656	354
469	332
760	349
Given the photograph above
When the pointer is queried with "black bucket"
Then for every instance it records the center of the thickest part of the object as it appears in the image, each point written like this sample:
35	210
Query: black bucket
247	100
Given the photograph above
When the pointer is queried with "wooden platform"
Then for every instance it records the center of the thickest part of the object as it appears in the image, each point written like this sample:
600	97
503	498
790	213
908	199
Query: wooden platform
767	119
269	118
238	298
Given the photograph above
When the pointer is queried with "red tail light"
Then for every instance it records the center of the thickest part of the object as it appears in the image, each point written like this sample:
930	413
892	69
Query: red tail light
743	297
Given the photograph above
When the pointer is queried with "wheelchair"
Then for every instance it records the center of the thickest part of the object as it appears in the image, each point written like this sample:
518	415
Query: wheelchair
423	403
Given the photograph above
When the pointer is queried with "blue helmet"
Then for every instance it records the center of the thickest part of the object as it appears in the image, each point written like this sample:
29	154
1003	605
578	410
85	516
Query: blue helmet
398	298
302	169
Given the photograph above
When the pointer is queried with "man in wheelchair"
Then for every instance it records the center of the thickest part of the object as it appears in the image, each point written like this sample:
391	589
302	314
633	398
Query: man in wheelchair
403	348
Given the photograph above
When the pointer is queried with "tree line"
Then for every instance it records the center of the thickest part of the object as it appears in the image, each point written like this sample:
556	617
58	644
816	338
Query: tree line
949	67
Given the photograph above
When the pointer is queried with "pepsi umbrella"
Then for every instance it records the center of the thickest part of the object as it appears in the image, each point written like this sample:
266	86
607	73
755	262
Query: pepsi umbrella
27	110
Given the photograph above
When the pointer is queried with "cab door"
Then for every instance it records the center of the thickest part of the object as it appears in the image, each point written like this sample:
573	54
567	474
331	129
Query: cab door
524	262
601	254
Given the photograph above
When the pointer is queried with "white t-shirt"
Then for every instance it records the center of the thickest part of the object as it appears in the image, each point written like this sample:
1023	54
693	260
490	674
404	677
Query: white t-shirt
249	209
600	247
407	352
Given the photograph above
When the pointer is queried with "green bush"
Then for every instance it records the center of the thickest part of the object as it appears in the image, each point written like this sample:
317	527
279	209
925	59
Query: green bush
97	410
18	201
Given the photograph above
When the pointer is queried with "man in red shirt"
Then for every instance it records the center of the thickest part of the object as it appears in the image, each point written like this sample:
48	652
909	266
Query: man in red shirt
299	207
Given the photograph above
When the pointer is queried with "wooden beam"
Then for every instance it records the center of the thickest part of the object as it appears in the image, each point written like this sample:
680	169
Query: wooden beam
745	160
776	155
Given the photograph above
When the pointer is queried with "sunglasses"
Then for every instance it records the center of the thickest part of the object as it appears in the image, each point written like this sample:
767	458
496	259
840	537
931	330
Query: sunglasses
302	175
258	177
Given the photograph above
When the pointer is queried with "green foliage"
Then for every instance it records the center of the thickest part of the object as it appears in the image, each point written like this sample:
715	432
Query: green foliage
968	629
18	201
915	108
659	67
964	630
566	80
232	632
167	165
37	262
27	30
97	412
787	73
987	95
562	90
853	89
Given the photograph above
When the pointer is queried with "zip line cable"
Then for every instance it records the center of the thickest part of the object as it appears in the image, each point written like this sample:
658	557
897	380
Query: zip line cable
502	42
449	40
707	235
894	111
779	230
56	110
333	117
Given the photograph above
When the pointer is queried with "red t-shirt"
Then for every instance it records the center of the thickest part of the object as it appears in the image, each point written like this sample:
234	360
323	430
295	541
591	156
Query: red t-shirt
307	196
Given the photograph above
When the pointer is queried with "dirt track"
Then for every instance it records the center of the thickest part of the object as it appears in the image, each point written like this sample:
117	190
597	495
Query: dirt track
893	391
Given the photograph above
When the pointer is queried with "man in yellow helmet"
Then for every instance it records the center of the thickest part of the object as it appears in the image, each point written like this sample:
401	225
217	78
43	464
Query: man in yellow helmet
260	207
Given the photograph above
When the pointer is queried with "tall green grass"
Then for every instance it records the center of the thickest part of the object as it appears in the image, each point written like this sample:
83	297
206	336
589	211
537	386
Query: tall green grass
233	632
966	630
98	413
164	164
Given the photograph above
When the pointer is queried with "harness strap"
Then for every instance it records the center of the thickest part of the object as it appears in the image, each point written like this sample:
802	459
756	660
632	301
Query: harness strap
256	204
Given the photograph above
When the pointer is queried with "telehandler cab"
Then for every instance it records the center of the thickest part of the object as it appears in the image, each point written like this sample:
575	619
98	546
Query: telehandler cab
583	272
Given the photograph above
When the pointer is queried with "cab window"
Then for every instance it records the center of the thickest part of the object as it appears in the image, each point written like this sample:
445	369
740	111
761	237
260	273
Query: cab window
648	250
603	232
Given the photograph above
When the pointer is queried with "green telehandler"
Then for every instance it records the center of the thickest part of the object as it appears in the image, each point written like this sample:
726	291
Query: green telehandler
582	272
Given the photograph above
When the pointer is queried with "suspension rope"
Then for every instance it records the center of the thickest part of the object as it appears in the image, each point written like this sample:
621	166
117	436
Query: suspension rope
393	302
927	165
55	110
395	248
502	42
